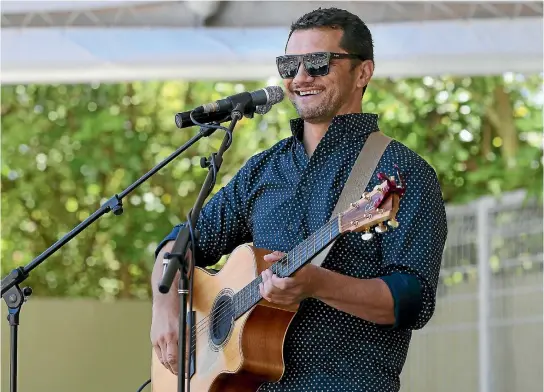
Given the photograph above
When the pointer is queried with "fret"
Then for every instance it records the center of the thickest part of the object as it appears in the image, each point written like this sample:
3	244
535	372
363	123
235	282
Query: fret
323	235
252	289
294	260
304	253
321	238
256	293
248	294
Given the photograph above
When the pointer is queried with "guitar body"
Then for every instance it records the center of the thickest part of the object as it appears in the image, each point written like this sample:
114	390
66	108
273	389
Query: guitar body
237	356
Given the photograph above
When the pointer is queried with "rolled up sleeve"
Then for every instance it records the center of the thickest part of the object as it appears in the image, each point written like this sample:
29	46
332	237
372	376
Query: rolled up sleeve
413	251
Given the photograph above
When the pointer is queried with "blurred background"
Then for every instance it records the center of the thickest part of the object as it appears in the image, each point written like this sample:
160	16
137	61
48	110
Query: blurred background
89	93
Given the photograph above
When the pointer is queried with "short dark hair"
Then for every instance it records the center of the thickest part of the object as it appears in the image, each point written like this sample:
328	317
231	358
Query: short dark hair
356	38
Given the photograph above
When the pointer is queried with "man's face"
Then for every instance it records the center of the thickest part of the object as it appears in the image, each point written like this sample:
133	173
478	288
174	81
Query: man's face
319	99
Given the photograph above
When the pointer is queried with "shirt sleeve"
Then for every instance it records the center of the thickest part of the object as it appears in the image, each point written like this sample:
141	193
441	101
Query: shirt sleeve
222	225
412	253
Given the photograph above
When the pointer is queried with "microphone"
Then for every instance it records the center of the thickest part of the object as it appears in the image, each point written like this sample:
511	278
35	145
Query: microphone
259	101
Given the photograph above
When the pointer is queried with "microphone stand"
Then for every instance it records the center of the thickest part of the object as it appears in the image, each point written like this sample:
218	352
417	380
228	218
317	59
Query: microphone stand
178	260
15	297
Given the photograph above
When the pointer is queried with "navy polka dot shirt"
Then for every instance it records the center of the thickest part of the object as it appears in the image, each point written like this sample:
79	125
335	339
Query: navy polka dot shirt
281	196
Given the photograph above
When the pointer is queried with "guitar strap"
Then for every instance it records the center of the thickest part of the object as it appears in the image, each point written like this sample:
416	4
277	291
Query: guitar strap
358	179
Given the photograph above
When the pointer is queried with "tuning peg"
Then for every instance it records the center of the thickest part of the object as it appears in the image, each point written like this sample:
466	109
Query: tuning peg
381	228
367	235
393	223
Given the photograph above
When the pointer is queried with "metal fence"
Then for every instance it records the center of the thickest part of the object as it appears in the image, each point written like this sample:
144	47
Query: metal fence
486	334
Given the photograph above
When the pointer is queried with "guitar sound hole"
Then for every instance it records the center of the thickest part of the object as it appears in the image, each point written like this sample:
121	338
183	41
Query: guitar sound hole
222	319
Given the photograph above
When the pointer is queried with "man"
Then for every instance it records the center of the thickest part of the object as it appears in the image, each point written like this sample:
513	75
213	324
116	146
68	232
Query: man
358	309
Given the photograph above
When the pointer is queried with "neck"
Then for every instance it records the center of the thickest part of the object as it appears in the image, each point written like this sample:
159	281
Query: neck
313	133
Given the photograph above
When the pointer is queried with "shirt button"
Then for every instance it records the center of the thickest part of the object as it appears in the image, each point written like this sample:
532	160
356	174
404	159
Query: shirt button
290	227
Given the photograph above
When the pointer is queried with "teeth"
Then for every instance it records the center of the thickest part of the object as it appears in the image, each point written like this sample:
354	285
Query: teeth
312	92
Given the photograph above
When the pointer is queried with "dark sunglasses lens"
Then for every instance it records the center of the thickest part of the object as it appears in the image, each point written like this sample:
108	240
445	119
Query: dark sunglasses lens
288	66
317	64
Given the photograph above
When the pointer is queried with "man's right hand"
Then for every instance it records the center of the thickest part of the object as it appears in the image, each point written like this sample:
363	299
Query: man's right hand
165	316
164	336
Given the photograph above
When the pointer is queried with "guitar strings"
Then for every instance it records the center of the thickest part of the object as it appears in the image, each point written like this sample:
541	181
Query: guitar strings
297	252
221	312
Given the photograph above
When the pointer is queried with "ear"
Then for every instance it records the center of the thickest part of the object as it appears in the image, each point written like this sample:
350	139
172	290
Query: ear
366	70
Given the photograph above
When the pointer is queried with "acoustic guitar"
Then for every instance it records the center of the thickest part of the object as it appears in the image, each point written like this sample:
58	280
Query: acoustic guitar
237	336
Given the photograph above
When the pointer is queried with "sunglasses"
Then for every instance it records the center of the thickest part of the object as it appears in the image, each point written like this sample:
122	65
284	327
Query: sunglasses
315	64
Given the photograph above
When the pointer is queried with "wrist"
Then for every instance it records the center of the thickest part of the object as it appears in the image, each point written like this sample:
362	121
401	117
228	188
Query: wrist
165	304
319	282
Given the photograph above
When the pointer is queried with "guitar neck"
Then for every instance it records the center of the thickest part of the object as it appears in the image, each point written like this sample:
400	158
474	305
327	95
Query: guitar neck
300	255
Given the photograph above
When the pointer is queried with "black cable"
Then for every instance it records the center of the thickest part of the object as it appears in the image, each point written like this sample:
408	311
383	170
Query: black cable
144	385
206	125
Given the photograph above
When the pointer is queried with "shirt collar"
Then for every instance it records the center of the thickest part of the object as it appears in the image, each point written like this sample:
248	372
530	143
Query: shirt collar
353	123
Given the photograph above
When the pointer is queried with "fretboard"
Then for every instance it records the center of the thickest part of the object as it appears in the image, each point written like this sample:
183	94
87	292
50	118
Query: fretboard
249	296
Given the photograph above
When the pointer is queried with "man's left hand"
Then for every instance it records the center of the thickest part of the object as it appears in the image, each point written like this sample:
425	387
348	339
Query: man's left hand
290	290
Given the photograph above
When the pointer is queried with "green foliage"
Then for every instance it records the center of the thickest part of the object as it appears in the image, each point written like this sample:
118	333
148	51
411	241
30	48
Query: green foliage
68	148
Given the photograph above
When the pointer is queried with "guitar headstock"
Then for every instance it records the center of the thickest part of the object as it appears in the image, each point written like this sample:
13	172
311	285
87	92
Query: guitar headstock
374	208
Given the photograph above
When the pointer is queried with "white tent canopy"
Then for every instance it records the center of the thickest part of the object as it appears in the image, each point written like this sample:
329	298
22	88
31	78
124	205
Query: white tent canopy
65	42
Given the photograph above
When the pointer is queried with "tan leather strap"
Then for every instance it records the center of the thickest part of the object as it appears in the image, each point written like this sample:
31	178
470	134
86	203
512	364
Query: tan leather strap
358	179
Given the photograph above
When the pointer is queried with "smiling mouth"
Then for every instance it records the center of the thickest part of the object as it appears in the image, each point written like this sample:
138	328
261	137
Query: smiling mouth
308	93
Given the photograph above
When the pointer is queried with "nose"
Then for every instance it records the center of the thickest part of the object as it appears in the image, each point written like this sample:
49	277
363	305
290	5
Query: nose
302	76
